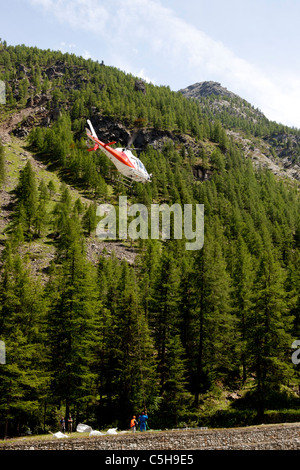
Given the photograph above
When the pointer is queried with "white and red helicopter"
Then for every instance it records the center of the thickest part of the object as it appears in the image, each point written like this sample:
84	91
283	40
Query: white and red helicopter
123	159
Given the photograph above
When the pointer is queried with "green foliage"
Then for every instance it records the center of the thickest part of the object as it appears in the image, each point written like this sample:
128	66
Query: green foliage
72	326
24	379
106	340
27	200
176	401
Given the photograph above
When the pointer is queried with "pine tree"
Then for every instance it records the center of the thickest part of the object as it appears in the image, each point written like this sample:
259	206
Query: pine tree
43	192
147	265
108	275
176	403
23	380
164	308
188	318
269	331
72	327
215	347
27	199
243	278
51	188
41	216
129	371
61	218
89	221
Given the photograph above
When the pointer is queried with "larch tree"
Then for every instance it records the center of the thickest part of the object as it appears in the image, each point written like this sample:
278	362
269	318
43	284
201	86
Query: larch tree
23	381
268	335
72	323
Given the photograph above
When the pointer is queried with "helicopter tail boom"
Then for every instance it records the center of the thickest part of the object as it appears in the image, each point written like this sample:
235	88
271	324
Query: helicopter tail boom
110	143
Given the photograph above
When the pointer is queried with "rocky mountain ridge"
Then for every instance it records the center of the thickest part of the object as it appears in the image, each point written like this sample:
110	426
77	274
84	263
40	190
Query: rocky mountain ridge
205	89
218	99
278	150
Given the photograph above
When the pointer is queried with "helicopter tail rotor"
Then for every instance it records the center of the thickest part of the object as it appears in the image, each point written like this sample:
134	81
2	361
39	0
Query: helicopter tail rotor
96	146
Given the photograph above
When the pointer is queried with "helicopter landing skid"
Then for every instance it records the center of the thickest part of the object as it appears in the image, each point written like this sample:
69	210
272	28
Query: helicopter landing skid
126	181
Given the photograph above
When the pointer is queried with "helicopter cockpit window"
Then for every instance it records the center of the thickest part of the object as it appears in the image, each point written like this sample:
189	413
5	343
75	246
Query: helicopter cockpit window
138	162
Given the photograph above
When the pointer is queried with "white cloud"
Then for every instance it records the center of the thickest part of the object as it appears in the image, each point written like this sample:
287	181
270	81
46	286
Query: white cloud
87	15
87	55
65	46
142	74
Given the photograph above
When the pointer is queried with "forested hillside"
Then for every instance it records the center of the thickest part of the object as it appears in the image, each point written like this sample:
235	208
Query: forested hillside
104	330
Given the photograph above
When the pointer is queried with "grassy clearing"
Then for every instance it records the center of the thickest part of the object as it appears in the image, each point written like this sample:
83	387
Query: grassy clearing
44	437
40	251
17	154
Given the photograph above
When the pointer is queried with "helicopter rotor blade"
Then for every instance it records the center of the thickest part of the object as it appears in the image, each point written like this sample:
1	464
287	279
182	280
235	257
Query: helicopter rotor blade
132	138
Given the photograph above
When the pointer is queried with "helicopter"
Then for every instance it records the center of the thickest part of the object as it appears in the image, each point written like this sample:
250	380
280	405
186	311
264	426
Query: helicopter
126	163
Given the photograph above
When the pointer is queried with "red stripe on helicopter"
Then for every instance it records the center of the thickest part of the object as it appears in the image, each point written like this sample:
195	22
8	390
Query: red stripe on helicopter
121	156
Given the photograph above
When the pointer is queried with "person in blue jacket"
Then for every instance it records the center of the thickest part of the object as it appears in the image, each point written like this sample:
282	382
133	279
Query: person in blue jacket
142	420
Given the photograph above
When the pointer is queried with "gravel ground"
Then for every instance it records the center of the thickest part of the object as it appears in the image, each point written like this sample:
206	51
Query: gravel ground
264	437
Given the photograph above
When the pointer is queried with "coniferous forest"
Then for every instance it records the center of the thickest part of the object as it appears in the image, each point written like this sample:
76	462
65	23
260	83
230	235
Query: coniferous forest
197	338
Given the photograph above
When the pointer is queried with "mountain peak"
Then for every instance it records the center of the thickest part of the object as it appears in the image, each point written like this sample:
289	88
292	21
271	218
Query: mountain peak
208	88
216	99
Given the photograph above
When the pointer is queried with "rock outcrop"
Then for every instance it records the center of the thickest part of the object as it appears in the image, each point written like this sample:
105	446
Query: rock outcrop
204	89
140	86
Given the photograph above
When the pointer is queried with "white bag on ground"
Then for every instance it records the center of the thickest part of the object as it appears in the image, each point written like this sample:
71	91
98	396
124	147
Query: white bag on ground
96	433
83	428
59	435
112	431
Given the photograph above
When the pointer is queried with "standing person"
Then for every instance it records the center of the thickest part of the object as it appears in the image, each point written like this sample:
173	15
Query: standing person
70	423
63	424
142	420
133	424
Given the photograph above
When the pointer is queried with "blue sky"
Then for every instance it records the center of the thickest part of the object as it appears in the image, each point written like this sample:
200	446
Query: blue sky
251	47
